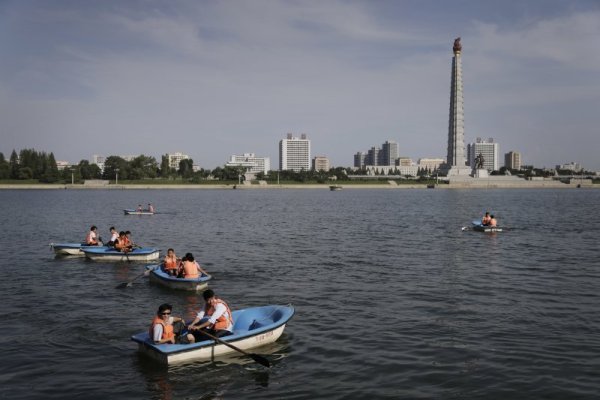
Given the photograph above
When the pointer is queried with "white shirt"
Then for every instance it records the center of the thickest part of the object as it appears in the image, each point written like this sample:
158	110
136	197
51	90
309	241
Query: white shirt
220	309
114	237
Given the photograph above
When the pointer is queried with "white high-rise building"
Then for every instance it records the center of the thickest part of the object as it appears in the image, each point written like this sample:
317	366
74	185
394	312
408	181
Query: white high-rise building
252	163
294	153
488	150
99	161
175	158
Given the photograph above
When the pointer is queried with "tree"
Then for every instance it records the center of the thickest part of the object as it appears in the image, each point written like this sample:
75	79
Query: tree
51	170
144	167
165	168
186	168
4	167
114	164
14	165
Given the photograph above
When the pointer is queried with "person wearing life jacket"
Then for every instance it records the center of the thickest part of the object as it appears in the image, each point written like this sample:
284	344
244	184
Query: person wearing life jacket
219	322
171	263
121	243
128	242
190	267
114	235
486	219
91	238
493	221
162	327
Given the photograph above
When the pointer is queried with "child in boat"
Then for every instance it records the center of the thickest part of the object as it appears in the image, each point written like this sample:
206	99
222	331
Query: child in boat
171	263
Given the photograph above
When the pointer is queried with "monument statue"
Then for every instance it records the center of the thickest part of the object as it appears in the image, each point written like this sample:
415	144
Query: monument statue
457	46
479	160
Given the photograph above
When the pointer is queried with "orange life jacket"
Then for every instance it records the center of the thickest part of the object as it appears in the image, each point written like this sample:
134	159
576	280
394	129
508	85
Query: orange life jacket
224	320
167	329
190	271
120	244
170	263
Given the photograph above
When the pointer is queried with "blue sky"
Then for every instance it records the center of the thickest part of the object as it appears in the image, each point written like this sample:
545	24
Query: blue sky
216	78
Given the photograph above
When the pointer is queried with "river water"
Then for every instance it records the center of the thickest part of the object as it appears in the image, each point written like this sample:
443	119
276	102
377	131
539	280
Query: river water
393	299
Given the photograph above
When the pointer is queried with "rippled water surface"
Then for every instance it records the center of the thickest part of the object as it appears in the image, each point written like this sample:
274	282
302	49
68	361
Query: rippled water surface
393	299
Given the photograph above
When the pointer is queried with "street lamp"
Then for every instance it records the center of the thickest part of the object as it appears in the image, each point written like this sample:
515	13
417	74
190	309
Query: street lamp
116	176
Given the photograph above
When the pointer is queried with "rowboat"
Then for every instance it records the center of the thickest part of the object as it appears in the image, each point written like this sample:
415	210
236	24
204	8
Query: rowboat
334	188
72	249
253	327
112	254
477	226
137	212
159	276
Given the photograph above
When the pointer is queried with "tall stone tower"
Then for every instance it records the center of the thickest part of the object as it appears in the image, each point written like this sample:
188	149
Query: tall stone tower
456	160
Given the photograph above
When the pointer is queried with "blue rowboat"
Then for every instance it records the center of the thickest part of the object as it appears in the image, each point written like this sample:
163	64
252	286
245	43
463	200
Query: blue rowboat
72	249
112	254
136	212
477	226
159	276
253	327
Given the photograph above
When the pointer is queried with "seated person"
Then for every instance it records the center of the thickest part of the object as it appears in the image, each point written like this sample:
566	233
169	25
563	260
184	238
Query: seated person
91	239
493	221
114	235
121	243
171	263
219	322
150	208
190	267
165	328
486	219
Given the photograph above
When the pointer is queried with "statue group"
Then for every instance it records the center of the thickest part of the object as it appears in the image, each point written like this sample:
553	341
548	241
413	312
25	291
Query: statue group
479	160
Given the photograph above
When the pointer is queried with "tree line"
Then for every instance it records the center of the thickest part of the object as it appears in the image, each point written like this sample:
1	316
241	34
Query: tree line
30	164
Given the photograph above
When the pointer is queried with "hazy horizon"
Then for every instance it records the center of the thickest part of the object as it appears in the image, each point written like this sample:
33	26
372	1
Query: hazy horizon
216	78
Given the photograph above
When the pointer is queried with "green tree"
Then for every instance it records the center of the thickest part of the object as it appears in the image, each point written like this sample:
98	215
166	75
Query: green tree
186	168
51	170
165	169
143	167
14	165
4	167
114	164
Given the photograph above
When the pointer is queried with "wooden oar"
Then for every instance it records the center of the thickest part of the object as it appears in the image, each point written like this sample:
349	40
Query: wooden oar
259	359
123	285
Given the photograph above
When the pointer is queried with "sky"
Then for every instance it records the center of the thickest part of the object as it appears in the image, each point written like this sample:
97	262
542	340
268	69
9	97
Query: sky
217	78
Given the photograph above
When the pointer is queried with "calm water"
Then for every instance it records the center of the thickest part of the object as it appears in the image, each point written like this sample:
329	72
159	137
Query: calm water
393	299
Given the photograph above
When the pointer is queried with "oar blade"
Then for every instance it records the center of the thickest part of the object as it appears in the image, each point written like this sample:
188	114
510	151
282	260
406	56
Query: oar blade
261	360
122	285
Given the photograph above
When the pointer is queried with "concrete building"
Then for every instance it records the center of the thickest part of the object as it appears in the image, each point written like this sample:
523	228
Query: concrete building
488	150
404	162
455	160
572	166
388	154
359	159
512	160
252	163
430	164
392	170
60	165
175	158
99	161
294	153
321	163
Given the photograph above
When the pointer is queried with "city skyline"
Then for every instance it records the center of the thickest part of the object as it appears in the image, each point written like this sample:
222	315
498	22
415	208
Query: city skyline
213	78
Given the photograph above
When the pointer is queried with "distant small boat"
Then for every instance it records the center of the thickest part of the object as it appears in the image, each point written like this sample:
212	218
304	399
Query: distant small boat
477	226
72	249
431	186
252	327
112	254
137	212
335	187
159	276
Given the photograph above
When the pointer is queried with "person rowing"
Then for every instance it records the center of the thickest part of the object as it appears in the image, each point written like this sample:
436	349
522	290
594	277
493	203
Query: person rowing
121	243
